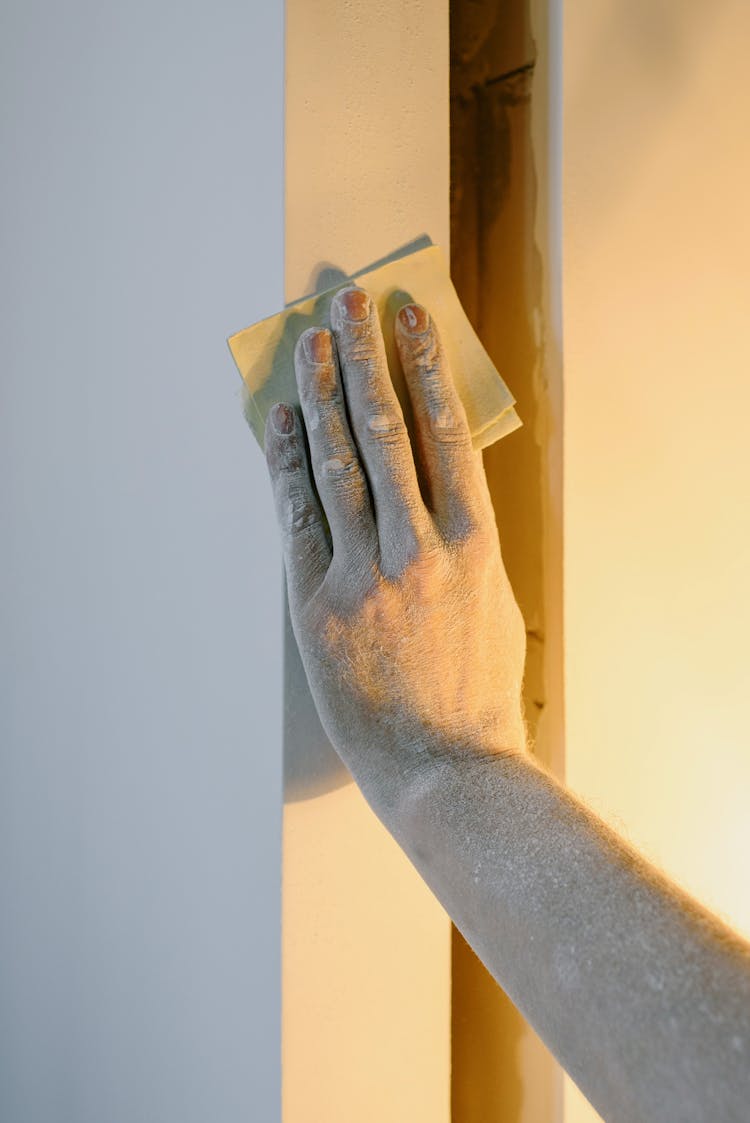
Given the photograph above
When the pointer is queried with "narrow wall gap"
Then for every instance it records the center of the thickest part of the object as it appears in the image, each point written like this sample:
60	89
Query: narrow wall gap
500	1069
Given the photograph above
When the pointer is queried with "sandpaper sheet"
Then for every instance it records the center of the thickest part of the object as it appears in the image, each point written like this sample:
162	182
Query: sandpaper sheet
264	352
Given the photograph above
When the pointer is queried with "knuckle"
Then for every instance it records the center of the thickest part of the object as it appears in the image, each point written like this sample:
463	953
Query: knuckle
433	379
363	355
331	448
301	520
439	401
384	424
426	352
366	376
284	455
340	468
298	513
445	430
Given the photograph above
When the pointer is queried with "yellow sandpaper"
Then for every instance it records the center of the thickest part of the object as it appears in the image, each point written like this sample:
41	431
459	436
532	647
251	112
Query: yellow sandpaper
264	353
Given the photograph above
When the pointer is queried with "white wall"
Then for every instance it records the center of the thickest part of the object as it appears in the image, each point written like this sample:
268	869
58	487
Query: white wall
656	292
140	725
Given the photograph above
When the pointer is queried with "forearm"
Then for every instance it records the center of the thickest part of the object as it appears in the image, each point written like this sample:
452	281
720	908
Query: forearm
642	995
405	621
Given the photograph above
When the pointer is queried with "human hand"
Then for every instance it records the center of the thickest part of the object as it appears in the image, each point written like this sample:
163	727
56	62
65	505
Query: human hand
409	632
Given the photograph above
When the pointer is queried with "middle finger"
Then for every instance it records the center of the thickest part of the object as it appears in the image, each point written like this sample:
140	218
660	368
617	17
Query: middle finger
378	425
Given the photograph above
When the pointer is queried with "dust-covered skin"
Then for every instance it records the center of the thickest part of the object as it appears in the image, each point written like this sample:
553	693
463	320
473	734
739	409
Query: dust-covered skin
414	648
405	619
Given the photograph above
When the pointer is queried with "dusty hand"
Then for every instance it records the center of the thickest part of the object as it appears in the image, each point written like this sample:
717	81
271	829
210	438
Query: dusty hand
407	626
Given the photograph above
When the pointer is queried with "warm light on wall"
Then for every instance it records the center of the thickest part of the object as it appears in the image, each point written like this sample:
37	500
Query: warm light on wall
656	288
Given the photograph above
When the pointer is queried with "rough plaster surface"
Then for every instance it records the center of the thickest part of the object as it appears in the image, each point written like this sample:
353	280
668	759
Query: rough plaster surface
366	948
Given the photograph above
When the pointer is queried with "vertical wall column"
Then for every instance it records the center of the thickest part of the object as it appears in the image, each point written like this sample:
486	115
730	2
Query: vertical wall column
503	136
366	948
657	476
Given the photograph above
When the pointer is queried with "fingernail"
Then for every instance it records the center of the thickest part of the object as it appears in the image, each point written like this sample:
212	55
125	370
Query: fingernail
350	304
414	319
317	345
282	418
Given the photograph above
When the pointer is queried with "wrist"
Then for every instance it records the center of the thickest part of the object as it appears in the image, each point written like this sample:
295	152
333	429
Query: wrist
434	771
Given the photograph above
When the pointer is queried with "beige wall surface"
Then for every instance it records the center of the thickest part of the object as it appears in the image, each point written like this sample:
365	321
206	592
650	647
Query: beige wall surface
656	294
366	947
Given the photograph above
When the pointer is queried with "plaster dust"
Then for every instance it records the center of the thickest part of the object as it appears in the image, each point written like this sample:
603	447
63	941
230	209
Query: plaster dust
264	352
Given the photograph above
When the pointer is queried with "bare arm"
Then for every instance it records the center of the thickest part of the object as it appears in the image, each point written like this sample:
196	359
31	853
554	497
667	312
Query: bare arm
414	648
639	992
